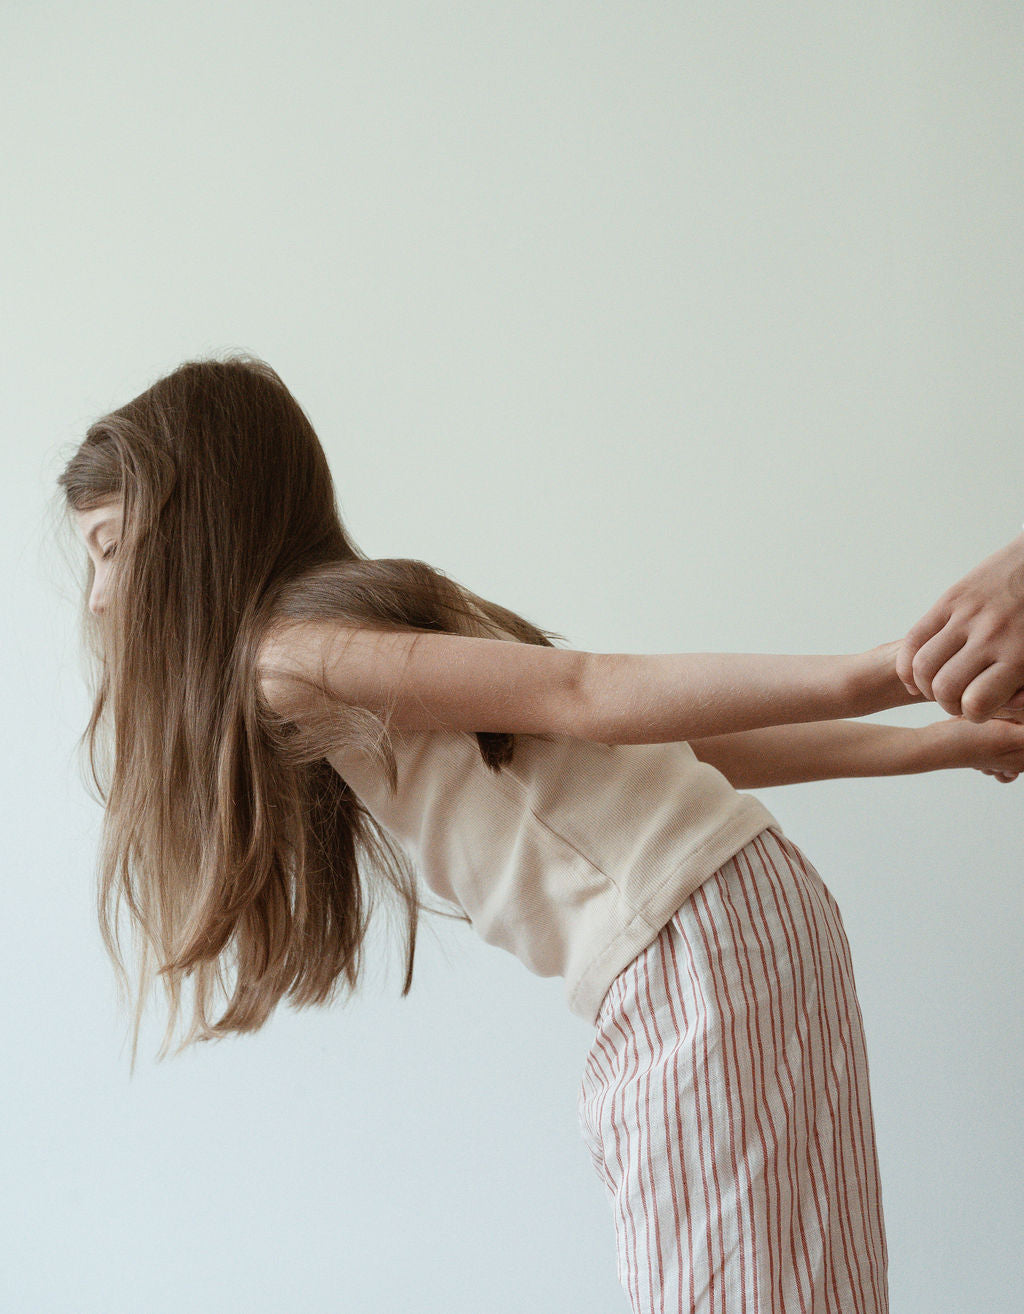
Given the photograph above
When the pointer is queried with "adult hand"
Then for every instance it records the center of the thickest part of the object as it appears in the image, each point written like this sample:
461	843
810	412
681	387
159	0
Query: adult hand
967	652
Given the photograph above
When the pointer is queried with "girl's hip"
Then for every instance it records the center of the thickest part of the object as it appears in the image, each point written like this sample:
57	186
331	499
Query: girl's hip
763	924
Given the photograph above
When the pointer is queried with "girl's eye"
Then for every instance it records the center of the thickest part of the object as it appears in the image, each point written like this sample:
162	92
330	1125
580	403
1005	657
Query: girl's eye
110	551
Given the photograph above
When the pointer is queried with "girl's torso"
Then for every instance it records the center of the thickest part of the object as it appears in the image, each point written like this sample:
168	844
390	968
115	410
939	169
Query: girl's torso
574	856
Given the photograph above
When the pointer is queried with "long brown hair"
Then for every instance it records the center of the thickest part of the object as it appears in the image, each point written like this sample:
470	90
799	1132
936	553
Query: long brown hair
233	842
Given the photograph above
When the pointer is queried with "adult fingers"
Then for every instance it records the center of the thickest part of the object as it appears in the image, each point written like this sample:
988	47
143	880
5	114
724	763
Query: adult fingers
933	656
997	687
930	624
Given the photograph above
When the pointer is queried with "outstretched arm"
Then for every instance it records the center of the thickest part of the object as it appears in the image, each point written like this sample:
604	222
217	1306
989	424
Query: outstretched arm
431	680
833	750
818	750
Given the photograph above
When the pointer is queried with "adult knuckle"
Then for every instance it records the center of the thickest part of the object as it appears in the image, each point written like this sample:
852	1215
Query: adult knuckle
946	687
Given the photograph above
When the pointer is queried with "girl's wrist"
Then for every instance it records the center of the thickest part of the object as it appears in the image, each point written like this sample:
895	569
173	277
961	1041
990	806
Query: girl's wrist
873	683
938	747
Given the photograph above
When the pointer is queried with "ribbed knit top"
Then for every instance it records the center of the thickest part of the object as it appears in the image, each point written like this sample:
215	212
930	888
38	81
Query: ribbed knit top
574	856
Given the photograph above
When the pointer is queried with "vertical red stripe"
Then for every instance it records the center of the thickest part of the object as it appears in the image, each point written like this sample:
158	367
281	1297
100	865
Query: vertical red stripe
652	1063
708	1145
626	1232
672	986
725	1009
634	1160
660	1058
698	1026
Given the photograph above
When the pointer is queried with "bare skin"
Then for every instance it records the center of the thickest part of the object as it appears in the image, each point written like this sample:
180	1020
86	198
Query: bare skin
966	653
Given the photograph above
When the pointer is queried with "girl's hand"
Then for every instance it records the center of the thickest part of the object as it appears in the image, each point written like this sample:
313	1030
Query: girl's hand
995	747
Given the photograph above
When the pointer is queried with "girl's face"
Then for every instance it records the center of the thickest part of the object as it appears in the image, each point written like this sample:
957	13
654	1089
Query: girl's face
100	527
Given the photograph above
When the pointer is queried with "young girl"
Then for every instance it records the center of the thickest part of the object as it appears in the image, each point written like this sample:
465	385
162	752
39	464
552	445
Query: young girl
297	729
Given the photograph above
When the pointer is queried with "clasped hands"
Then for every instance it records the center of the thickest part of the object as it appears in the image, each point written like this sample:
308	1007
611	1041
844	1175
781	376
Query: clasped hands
967	652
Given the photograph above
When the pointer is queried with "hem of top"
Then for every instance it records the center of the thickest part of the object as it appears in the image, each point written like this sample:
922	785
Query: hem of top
664	901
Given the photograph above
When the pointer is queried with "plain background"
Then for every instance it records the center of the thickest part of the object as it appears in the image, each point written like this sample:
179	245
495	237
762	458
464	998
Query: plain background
690	327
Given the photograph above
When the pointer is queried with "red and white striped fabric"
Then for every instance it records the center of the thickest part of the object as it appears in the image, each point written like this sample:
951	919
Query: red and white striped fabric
726	1106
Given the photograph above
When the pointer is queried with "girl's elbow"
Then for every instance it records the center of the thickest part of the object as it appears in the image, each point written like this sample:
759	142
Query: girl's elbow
587	701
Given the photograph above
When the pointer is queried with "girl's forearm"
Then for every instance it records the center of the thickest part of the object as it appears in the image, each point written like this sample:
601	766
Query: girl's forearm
636	698
822	750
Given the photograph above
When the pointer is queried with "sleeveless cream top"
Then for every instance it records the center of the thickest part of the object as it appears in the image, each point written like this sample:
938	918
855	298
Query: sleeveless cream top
574	856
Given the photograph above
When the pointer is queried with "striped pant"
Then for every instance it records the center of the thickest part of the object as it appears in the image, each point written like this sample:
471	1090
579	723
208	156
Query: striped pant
726	1106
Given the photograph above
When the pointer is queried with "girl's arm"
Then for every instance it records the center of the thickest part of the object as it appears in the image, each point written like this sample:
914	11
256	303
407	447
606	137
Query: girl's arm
428	680
830	750
818	750
638	699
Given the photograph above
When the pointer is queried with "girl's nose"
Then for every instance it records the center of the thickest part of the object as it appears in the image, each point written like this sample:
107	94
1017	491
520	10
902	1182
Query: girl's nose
96	600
